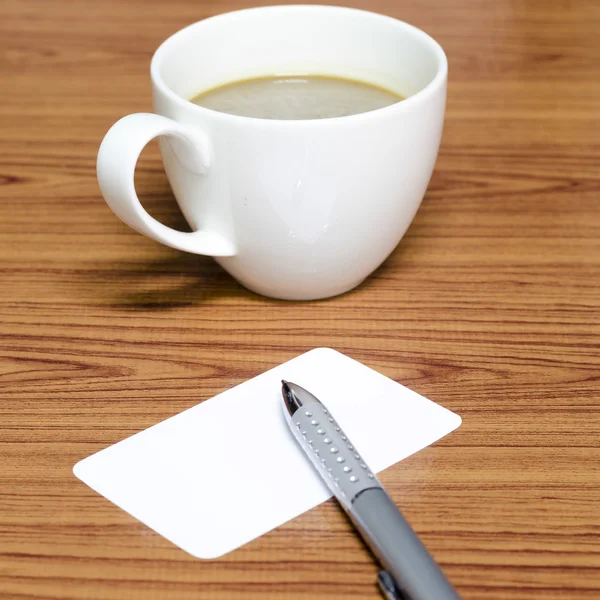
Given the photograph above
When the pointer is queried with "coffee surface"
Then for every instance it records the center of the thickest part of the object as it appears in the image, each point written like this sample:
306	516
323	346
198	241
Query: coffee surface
296	97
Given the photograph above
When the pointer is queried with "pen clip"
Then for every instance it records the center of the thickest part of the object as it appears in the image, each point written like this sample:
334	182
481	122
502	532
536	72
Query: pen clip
388	586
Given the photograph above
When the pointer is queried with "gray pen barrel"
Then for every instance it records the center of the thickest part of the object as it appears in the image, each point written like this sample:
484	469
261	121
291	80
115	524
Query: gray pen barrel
398	548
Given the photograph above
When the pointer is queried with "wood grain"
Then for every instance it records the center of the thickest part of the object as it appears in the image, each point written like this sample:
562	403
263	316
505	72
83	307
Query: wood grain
490	306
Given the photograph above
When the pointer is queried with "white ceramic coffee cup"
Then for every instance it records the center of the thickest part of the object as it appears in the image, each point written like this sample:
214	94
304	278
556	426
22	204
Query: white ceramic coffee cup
300	209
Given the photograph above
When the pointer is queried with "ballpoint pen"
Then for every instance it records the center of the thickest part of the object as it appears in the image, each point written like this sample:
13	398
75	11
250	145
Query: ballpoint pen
410	573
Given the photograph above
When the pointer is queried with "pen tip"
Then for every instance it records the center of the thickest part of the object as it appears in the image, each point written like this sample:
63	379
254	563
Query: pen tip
289	399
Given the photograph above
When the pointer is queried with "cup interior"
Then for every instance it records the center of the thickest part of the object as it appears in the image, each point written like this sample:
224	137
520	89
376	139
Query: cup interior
292	40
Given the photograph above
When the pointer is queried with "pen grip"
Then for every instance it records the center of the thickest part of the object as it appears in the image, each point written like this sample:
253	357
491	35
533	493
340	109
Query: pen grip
331	452
398	548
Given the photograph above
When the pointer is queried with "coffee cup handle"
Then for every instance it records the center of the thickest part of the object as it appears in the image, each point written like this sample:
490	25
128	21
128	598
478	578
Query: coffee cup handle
117	158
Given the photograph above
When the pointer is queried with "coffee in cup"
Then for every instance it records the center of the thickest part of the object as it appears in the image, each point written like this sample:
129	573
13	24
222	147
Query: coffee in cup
296	201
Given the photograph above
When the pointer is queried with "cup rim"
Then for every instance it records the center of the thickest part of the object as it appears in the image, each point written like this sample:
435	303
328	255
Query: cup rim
407	104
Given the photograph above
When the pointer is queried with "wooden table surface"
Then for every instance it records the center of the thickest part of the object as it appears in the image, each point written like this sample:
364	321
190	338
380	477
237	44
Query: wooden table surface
489	306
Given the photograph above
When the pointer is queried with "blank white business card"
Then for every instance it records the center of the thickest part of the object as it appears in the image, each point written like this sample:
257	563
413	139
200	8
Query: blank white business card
228	470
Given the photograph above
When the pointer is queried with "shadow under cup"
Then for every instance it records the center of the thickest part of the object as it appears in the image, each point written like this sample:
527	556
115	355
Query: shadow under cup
312	207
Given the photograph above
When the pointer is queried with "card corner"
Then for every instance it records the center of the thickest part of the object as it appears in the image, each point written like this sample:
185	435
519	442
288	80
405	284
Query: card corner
325	350
76	470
